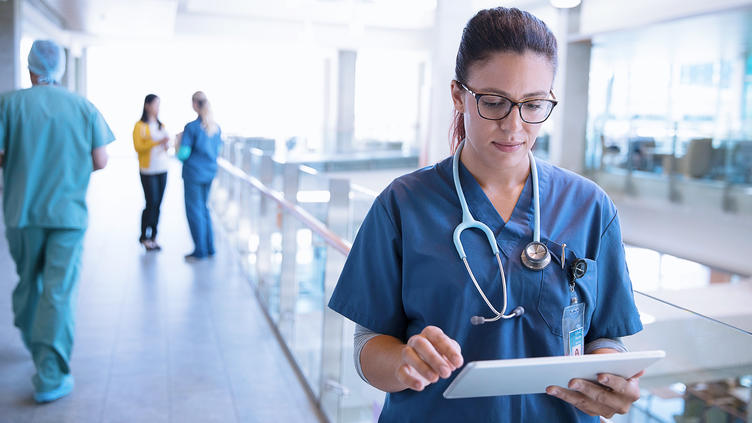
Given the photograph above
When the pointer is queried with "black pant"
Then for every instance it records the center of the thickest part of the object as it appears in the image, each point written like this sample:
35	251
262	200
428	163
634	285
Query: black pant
154	187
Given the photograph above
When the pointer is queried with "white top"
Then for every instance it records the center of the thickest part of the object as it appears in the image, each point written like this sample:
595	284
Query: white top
160	161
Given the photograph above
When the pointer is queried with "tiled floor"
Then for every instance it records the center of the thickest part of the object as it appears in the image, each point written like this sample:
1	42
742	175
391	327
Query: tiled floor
157	339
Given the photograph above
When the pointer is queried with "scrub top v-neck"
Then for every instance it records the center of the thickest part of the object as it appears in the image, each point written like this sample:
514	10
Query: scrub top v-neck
403	274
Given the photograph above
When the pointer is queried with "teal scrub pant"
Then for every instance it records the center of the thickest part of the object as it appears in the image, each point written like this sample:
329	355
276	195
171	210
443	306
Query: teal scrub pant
48	263
199	218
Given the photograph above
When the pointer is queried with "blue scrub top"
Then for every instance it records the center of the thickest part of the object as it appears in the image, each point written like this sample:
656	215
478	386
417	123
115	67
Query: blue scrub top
48	133
201	166
403	274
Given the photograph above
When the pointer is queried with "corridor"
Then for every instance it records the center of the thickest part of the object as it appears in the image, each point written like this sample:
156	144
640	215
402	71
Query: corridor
157	339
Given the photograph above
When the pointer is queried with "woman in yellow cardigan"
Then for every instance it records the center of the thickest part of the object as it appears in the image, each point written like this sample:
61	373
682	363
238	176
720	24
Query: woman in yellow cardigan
150	139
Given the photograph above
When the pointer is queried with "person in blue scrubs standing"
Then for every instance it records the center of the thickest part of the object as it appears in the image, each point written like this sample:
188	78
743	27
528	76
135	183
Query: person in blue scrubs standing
51	140
198	150
412	297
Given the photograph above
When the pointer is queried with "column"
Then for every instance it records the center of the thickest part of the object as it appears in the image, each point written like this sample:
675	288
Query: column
569	137
451	17
10	40
346	100
81	76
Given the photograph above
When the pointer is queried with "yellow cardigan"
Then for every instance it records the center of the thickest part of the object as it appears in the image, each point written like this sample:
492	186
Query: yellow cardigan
143	143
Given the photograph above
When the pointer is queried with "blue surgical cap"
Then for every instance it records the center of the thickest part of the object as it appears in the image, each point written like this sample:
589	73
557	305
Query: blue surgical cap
47	60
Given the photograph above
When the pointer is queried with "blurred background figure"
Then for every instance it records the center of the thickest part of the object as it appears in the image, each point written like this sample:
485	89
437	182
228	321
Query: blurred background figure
151	141
198	149
50	142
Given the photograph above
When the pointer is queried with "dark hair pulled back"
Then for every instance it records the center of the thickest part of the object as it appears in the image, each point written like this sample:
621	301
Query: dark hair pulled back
144	115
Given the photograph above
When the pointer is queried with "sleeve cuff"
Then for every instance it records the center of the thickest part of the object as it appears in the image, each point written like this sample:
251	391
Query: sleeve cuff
605	343
360	339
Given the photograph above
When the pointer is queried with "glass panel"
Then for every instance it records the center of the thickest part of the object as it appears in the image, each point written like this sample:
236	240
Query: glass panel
271	221
707	373
313	193
661	103
309	306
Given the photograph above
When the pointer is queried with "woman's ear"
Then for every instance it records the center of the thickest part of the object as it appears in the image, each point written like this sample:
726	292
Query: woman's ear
458	96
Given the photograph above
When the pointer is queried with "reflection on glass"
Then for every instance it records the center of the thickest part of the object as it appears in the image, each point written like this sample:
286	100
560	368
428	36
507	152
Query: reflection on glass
662	103
705	376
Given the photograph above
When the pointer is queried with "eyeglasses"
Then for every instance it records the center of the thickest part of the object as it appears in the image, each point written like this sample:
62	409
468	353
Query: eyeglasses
497	107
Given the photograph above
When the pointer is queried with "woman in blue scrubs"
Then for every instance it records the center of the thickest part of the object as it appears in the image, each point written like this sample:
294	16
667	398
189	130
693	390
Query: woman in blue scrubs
411	295
198	150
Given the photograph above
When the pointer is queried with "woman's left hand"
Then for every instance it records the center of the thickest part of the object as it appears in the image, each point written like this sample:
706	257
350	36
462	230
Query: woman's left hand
611	395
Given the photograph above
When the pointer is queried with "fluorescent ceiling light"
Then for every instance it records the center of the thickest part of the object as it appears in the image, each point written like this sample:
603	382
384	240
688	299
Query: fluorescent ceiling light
565	4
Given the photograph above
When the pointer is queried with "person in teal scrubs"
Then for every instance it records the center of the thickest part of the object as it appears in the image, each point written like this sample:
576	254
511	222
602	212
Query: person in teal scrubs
199	147
51	140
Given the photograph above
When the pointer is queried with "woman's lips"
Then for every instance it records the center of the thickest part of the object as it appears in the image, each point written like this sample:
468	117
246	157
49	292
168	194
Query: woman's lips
508	147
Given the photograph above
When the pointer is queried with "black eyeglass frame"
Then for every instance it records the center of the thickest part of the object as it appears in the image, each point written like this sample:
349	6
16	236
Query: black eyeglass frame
513	103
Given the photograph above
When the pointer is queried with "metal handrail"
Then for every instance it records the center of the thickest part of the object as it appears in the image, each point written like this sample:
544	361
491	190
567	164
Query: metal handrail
300	213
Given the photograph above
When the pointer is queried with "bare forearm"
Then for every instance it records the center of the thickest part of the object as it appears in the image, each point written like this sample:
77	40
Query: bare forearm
380	359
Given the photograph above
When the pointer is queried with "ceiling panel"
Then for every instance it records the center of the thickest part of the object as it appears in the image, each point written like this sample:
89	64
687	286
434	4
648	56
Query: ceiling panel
116	17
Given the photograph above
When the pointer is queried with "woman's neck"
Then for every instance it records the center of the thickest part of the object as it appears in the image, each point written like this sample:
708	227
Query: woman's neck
495	178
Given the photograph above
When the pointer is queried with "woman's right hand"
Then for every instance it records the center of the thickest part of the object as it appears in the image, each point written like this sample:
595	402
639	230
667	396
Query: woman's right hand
428	356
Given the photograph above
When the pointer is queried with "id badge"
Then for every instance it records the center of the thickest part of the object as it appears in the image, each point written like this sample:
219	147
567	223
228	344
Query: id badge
572	329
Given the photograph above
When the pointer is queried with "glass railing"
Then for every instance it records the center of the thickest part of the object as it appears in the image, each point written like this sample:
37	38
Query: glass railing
673	118
292	229
700	172
707	373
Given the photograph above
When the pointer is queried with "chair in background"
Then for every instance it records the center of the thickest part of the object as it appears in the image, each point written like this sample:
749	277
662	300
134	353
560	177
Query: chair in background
641	150
610	153
697	162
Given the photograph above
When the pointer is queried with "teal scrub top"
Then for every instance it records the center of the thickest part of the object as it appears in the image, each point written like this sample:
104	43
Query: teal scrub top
47	134
201	165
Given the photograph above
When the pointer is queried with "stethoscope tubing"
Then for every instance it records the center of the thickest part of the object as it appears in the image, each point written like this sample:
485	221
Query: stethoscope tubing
468	222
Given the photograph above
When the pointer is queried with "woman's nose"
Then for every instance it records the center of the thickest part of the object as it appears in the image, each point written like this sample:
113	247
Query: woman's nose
513	121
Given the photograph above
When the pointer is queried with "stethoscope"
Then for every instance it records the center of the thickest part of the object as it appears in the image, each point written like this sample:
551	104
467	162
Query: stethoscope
535	255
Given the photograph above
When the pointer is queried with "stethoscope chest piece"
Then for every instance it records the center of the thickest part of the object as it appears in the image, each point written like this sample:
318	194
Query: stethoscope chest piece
535	256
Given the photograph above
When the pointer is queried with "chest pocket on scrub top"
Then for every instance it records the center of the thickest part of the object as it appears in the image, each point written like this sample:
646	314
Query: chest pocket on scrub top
555	293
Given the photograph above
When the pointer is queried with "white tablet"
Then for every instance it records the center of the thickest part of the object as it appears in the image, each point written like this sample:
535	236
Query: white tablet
534	375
